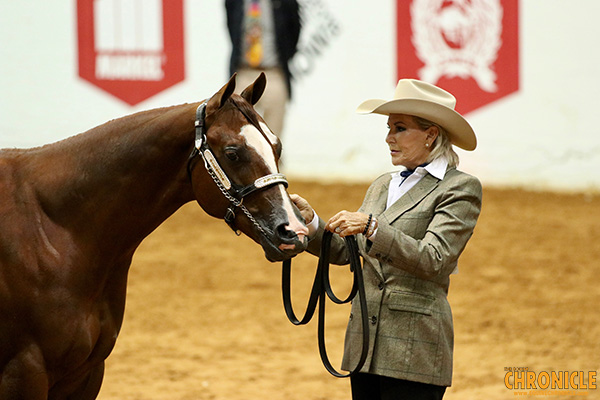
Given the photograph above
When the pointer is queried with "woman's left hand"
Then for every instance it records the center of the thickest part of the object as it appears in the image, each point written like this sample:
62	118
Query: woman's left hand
346	223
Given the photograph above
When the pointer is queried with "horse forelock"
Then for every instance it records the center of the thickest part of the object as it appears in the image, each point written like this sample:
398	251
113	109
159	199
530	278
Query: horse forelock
245	108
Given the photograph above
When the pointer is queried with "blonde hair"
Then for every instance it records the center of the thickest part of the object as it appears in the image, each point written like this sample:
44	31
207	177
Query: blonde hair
442	146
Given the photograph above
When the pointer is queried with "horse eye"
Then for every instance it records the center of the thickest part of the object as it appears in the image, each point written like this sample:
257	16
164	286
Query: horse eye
232	155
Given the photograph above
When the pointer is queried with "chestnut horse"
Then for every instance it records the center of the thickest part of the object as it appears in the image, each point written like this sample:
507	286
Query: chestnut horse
72	214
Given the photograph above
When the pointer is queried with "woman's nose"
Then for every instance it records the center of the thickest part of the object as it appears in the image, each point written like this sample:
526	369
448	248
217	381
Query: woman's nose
389	138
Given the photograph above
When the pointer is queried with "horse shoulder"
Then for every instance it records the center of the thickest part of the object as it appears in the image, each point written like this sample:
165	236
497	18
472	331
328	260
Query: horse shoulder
41	313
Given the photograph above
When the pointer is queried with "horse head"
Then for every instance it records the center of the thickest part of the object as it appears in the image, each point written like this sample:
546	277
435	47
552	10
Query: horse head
240	181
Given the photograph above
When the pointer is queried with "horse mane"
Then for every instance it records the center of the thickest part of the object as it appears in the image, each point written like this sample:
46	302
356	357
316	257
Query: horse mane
100	132
102	152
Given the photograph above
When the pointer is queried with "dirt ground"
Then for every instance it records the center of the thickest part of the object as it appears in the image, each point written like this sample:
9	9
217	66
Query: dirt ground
204	316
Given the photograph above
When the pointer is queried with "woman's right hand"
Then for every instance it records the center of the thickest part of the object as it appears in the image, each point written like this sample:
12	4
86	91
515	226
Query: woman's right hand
305	209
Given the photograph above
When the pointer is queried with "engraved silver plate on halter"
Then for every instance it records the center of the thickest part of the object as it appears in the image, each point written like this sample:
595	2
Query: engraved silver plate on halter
214	165
270	180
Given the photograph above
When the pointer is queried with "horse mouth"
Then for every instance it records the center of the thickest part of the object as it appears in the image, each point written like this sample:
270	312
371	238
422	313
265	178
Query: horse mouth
284	251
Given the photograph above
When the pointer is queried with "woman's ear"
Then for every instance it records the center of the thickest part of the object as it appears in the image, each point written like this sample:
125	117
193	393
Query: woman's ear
432	133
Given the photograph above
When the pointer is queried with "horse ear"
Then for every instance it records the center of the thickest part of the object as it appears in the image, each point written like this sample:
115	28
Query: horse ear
218	99
253	92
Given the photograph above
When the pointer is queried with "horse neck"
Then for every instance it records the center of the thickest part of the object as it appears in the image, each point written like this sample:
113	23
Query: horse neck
116	183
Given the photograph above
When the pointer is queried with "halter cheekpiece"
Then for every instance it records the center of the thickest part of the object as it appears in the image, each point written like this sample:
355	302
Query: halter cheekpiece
233	192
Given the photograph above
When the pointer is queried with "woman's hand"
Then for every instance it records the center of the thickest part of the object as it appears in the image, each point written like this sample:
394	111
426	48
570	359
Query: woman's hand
305	209
346	223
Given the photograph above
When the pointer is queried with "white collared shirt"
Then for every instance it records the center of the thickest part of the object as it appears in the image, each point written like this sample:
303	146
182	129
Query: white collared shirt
400	185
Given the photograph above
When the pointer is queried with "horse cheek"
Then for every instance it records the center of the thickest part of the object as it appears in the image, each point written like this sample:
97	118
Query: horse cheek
207	194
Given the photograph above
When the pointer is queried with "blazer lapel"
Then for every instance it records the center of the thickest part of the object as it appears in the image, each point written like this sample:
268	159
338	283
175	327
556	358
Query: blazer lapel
380	199
410	198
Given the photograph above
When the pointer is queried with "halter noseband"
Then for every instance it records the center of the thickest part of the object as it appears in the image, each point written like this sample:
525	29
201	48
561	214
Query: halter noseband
232	192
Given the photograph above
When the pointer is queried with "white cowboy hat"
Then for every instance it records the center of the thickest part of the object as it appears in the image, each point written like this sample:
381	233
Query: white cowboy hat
422	99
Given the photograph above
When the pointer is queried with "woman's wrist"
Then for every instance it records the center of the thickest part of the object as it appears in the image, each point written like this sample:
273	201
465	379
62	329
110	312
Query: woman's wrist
313	225
371	226
367	225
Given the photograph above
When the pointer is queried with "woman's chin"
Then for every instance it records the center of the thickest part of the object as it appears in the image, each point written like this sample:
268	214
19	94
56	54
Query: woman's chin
397	161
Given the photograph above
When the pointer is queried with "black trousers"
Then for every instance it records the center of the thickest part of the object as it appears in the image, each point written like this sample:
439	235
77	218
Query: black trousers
376	387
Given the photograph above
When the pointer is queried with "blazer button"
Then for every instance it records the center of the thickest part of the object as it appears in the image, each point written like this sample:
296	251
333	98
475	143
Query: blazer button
373	320
381	286
351	316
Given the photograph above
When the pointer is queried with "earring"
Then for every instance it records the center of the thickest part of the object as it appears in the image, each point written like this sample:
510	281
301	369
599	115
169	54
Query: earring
426	144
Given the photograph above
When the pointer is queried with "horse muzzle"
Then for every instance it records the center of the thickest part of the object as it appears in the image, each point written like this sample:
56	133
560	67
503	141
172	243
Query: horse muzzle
285	242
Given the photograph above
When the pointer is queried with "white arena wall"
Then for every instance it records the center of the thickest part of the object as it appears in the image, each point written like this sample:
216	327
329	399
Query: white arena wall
544	136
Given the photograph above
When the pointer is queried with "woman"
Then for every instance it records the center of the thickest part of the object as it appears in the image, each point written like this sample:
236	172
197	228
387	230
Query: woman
412	227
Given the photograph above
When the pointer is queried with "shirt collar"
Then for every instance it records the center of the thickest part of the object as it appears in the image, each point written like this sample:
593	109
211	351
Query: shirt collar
437	168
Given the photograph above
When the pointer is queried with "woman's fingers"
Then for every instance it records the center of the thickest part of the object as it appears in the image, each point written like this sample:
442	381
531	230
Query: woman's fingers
347	223
305	209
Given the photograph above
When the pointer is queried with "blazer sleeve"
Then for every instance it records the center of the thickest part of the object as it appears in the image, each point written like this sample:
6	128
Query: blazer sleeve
450	215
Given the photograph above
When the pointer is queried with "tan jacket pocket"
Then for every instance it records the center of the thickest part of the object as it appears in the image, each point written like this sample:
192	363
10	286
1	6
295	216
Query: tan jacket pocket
411	302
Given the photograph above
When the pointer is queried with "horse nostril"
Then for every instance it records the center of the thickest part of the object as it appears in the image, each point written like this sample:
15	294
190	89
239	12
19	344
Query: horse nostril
284	234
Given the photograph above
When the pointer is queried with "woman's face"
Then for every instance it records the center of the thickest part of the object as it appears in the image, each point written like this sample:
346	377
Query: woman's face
409	145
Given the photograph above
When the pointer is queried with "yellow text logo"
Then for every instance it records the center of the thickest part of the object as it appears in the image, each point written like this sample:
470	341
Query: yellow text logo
523	378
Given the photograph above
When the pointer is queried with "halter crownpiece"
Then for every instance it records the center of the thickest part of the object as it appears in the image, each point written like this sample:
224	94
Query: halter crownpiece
199	124
232	192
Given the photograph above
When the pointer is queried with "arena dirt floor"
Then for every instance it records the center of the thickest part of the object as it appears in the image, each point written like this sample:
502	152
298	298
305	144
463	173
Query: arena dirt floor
204	316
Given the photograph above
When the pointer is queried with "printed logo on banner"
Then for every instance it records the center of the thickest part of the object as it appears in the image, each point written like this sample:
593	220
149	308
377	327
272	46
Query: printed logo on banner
468	47
319	28
132	49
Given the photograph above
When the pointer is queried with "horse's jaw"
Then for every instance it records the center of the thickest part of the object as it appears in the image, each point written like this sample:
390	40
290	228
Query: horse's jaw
283	251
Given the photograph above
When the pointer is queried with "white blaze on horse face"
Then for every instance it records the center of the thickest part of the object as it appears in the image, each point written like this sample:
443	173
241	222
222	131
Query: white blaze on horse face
272	138
264	148
257	141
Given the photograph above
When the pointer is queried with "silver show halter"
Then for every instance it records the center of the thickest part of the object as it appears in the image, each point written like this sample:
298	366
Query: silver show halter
232	192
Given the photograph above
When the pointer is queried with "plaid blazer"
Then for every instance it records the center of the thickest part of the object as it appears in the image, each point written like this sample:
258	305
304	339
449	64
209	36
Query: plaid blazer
407	271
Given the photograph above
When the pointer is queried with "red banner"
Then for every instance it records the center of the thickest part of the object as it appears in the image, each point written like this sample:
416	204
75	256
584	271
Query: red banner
468	47
132	49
